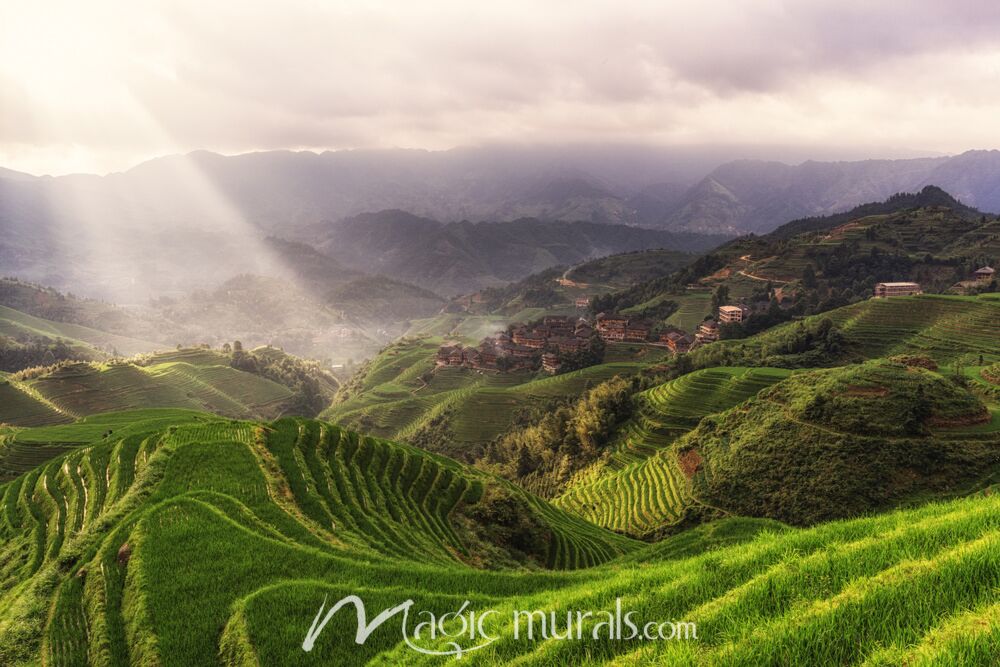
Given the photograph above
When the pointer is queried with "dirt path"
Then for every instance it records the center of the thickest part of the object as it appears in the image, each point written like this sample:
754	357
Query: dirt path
764	280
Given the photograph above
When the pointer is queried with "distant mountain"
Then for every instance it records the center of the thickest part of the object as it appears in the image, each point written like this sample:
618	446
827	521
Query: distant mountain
462	257
180	222
755	196
929	197
828	261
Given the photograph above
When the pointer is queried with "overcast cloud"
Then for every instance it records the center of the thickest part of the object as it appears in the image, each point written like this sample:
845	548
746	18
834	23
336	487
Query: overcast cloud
101	85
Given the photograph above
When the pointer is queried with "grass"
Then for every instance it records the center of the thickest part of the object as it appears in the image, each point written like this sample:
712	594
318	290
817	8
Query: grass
213	542
639	487
837	442
798	446
946	328
190	379
692	309
400	393
14	322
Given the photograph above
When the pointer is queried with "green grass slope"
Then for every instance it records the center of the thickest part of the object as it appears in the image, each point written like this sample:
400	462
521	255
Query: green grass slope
833	443
639	488
947	329
99	507
215	542
194	379
805	447
15	323
400	395
942	327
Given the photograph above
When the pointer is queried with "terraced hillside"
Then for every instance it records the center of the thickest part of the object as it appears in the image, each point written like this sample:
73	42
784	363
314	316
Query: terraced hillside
832	443
944	231
821	263
99	494
194	379
400	394
805	447
215	542
948	329
639	487
90	342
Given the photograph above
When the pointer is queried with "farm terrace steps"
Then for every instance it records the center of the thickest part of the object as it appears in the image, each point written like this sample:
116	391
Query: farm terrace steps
191	379
183	538
640	487
394	402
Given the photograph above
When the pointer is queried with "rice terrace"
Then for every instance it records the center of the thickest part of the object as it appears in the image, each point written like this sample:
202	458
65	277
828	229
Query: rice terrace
499	334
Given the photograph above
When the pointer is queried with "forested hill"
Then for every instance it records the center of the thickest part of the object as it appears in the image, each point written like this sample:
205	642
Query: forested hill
461	257
822	263
929	197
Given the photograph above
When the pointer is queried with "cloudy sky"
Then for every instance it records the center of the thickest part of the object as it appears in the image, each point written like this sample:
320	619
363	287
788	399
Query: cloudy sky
100	85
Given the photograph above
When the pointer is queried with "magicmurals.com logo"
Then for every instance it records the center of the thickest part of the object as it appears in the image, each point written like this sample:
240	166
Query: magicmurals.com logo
466	630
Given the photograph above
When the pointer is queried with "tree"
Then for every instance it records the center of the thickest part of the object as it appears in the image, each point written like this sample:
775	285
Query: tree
720	297
809	277
237	346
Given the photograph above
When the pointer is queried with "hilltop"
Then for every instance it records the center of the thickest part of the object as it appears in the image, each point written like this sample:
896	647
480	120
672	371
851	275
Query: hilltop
841	442
259	521
557	290
260	383
821	263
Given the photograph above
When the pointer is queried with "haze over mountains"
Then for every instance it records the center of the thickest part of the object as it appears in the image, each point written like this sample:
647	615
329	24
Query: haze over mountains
655	187
459	257
202	217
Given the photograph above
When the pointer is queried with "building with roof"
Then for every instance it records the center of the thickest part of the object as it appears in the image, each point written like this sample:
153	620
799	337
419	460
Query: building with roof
985	274
885	290
733	314
677	341
708	332
551	363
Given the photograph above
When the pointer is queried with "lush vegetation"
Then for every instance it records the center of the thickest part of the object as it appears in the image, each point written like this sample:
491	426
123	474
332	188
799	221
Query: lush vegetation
825	263
261	383
401	395
839	442
183	544
23	352
637	486
565	439
817	488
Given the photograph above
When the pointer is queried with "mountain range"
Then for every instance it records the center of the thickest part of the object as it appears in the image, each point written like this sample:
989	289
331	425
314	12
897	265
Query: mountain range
664	188
179	222
461	257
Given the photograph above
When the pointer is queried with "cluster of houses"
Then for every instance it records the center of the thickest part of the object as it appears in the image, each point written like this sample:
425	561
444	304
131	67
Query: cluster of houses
544	344
980	277
679	342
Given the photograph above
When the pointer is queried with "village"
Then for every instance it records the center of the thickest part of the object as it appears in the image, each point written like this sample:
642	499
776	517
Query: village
558	343
552	343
